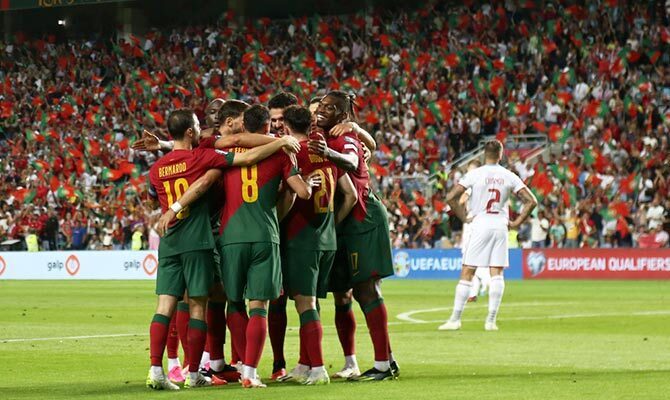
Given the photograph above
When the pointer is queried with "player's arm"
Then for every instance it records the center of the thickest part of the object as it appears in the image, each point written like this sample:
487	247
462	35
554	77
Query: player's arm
347	161
363	135
348	190
302	188
193	193
243	140
260	153
285	202
151	142
529	203
452	199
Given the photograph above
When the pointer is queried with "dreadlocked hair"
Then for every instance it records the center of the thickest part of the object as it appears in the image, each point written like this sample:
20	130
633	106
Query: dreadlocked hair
347	102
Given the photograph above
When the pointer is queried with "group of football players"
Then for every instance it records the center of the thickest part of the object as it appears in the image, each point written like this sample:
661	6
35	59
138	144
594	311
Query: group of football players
266	204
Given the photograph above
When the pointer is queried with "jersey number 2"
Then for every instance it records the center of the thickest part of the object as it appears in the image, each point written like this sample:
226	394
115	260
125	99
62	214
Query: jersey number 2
323	191
180	186
249	183
495	199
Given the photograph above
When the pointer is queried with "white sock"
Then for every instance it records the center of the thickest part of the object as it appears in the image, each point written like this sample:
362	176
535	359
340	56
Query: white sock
205	359
303	367
460	298
486	280
194	376
350	361
317	370
496	290
474	290
248	372
157	371
382	365
217	365
173	362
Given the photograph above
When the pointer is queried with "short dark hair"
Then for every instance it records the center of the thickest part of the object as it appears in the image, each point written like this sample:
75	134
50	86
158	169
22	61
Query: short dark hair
282	100
298	118
346	102
179	121
493	149
255	117
232	109
316	99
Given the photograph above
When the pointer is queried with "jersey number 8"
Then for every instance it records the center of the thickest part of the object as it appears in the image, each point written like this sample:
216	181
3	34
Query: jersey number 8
249	183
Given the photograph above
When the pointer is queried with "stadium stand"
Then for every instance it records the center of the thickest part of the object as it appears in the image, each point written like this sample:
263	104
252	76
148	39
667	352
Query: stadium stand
431	83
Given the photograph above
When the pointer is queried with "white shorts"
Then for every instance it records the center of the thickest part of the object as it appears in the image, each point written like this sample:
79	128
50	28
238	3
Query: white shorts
486	248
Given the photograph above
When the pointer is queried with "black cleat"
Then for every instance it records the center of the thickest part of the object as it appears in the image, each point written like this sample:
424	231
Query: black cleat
395	369
374	374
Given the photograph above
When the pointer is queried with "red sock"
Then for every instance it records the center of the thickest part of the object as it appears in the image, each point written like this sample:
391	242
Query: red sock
234	358
312	335
377	320
216	332
304	356
182	328
158	335
237	324
256	333
345	323
197	336
173	338
277	328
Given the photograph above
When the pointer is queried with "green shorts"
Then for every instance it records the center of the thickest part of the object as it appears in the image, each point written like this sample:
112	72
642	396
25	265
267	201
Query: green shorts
362	257
192	271
251	271
306	271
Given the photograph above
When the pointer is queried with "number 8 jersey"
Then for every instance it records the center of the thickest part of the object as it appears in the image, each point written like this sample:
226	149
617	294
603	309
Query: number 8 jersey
170	176
491	187
249	213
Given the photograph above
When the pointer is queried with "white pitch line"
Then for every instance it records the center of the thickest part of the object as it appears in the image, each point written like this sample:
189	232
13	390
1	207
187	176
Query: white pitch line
72	337
406	316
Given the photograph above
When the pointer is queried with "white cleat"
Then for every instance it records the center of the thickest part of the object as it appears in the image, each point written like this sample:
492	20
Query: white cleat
298	374
450	326
318	376
200	381
160	382
250	383
347	372
490	326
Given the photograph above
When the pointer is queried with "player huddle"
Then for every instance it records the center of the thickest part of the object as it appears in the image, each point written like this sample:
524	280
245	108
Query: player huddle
252	217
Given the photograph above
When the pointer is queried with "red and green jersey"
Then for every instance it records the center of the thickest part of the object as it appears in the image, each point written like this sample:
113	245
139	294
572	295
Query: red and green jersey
170	177
311	223
369	212
249	213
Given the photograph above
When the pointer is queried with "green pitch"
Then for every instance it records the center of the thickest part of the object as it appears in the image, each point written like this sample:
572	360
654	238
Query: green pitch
557	340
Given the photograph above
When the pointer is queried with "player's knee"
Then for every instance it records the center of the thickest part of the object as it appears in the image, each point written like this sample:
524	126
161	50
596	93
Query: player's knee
342	298
166	305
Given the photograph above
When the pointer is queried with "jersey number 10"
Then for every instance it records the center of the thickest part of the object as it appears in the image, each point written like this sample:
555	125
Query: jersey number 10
180	186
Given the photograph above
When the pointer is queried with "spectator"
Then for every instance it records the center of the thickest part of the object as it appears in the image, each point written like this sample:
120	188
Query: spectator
539	230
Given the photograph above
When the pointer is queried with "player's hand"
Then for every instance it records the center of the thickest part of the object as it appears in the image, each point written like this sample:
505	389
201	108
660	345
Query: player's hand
342	128
314	179
367	154
514	224
290	144
148	142
164	222
319	147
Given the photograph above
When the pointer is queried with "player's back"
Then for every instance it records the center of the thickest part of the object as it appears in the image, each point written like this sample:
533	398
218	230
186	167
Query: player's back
249	213
491	186
369	212
310	224
170	177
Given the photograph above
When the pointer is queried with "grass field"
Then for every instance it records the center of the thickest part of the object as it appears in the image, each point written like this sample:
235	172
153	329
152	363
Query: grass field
558	340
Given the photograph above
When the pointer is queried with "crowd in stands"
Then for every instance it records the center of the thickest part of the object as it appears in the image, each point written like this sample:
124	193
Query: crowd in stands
431	82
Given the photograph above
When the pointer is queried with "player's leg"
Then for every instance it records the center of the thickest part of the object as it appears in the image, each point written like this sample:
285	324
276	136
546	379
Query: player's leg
499	259
219	371
199	273
237	319
345	322
174	365
169	285
277	321
182	318
484	275
474	289
234	277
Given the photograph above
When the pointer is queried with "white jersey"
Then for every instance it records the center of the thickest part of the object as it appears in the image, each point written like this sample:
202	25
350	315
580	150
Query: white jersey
491	187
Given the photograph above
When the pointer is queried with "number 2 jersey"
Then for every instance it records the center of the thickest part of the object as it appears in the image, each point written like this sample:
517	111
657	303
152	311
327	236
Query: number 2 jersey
170	177
310	224
249	213
491	187
369	212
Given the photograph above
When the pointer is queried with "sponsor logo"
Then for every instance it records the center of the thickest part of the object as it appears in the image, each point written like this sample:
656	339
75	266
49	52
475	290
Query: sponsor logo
536	262
3	265
401	264
150	264
72	265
